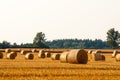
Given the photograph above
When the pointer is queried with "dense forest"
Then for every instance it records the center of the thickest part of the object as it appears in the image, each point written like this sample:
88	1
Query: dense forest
63	43
78	43
39	41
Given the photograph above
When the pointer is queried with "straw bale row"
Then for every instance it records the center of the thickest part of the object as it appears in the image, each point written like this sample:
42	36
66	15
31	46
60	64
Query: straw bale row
43	54
70	56
73	56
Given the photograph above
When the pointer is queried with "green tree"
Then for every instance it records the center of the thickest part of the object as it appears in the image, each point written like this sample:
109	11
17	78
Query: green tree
15	45
26	45
39	40
78	44
112	37
6	44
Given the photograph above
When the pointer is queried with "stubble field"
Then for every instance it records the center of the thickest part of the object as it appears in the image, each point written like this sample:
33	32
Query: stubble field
47	69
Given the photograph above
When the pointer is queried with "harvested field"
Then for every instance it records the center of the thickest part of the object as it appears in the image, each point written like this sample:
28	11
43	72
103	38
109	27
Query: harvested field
47	69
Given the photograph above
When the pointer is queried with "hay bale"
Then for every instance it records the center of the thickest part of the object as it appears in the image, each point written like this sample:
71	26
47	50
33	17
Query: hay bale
103	57
89	54
15	50
114	53
15	53
117	57
55	56
47	54
78	56
97	56
18	50
90	51
63	57
41	54
22	52
29	56
10	56
1	55
7	50
33	50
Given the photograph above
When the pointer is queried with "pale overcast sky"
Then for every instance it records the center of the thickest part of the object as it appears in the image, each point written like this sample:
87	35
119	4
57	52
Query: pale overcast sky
20	20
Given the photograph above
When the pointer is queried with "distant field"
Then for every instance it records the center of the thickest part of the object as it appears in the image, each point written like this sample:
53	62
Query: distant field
47	69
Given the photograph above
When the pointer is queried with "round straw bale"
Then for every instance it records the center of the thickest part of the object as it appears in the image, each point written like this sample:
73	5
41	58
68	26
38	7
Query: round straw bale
77	56
114	53
55	56
1	55
96	56
63	57
90	51
10	56
47	54
15	53
89	54
23	52
29	56
7	50
18	50
34	50
41	54
117	57
103	57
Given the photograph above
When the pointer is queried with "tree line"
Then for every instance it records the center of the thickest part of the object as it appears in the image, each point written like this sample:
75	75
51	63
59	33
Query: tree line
78	44
39	41
61	43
